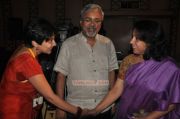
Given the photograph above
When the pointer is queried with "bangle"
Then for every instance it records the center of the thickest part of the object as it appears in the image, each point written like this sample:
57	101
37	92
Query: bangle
78	113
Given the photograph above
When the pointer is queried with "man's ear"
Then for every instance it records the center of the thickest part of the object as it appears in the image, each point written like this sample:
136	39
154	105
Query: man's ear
34	43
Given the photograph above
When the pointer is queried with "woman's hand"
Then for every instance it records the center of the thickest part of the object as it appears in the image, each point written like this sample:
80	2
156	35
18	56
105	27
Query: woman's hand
140	115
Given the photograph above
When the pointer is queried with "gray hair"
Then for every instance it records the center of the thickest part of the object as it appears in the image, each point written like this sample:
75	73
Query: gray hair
89	7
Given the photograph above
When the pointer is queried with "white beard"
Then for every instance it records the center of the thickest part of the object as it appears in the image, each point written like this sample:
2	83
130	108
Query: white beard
90	32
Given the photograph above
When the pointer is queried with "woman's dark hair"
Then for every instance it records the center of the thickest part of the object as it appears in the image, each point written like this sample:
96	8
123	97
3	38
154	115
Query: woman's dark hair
152	34
38	30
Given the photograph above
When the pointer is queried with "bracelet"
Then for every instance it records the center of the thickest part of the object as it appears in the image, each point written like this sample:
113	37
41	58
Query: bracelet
78	114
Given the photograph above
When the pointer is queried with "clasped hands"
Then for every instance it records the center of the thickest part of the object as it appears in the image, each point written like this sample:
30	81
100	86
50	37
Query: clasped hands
88	112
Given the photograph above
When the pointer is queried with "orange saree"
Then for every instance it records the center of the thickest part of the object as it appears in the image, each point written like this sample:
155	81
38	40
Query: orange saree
16	93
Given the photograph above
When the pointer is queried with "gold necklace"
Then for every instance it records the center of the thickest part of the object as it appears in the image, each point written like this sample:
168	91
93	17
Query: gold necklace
32	53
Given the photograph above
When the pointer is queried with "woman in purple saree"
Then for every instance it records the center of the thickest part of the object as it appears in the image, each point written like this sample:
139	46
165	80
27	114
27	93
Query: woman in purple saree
151	88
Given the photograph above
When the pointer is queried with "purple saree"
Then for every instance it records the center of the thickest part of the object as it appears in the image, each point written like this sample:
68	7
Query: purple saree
151	86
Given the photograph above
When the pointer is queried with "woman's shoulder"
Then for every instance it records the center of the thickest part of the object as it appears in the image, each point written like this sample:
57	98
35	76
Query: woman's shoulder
21	60
22	57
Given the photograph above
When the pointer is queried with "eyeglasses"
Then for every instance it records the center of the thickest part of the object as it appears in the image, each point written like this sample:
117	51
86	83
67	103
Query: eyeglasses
89	20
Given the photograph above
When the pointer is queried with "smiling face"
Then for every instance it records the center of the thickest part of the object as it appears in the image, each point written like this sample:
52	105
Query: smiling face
138	45
91	22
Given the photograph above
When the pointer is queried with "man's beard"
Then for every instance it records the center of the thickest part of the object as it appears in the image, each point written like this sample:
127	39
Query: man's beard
90	31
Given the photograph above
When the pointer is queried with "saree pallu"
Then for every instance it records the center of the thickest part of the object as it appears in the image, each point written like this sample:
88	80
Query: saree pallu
151	86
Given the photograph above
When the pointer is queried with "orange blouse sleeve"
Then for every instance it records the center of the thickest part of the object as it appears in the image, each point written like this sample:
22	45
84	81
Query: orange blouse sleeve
123	68
126	63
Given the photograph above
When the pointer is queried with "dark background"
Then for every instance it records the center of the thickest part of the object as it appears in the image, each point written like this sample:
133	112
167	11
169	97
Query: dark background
64	14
